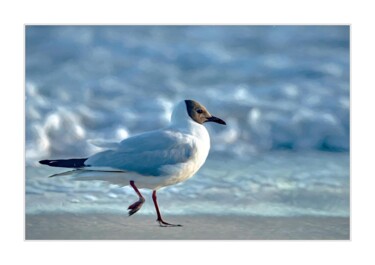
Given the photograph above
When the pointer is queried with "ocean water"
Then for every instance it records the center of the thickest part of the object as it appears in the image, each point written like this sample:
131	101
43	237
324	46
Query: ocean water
284	92
279	183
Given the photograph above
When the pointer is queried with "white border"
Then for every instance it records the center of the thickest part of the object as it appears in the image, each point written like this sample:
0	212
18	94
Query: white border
17	13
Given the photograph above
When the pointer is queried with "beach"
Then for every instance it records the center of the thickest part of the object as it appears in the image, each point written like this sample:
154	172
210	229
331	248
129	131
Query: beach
280	169
67	226
285	196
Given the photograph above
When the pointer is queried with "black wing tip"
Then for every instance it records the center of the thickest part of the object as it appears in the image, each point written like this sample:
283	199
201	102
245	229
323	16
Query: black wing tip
49	162
70	163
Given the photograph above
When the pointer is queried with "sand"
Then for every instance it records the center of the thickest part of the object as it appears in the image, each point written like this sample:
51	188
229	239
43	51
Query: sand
69	226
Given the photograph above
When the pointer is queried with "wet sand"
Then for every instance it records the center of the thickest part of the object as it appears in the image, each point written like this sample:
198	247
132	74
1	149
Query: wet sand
69	226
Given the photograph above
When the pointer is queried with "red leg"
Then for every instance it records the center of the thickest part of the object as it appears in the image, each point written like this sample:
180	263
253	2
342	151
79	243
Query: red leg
135	207
160	220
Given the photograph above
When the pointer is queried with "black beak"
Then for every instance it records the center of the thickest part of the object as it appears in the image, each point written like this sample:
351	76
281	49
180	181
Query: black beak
216	119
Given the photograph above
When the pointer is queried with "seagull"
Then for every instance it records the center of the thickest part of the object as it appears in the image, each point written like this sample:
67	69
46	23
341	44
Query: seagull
151	160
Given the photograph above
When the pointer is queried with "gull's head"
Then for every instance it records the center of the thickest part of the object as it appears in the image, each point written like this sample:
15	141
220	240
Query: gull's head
192	110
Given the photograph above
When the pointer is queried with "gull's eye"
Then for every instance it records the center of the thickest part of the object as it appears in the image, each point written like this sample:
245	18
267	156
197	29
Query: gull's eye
199	111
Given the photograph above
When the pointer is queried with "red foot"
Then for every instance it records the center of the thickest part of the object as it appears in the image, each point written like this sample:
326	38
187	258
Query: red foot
160	220
165	224
135	207
138	204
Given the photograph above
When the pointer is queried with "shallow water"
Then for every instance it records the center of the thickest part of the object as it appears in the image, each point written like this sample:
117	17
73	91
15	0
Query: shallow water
270	184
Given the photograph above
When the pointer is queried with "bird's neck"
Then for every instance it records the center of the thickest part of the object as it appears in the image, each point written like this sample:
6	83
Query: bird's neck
190	127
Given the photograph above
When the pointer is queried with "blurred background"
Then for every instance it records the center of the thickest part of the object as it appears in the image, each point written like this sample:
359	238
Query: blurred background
283	91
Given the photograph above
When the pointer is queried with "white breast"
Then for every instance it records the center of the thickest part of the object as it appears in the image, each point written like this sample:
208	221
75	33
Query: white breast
203	147
200	141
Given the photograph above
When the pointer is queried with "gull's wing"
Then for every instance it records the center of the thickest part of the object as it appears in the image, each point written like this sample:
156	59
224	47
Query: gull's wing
146	153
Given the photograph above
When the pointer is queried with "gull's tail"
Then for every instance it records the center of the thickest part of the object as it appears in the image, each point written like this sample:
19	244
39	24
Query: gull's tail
80	171
69	163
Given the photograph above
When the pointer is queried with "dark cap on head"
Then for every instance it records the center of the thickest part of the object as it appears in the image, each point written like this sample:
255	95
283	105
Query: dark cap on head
199	113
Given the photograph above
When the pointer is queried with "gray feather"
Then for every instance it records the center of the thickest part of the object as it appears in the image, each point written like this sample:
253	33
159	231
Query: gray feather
145	154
